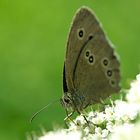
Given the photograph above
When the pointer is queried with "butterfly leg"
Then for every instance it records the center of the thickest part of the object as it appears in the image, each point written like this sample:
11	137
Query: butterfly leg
68	117
84	117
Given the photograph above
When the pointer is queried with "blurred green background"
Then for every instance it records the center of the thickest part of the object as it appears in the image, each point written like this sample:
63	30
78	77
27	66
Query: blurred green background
33	37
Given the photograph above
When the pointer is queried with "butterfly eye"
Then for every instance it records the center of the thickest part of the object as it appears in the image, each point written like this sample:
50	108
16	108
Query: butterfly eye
87	53
81	33
91	59
90	37
112	83
105	62
109	73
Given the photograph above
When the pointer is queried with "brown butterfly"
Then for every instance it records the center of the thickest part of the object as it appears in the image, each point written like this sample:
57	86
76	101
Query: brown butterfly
91	69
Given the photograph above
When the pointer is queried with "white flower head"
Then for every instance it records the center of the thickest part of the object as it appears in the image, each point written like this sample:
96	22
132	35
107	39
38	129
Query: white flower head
122	132
125	111
62	135
134	92
117	120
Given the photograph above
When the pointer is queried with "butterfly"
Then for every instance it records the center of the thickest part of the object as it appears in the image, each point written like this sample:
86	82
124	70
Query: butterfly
91	68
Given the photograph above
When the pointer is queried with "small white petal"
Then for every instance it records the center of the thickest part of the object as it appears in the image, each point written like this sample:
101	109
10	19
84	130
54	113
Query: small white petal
109	113
110	126
100	118
98	130
97	136
86	130
105	133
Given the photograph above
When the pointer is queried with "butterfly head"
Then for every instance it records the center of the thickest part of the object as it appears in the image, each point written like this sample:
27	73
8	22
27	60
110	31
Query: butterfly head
67	102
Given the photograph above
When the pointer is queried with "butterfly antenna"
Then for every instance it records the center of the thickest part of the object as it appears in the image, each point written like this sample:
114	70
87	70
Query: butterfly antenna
35	114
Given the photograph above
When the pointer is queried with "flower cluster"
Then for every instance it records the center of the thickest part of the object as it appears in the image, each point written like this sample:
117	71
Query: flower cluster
116	122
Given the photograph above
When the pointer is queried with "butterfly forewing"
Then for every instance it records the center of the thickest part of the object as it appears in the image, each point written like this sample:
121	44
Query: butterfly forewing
91	67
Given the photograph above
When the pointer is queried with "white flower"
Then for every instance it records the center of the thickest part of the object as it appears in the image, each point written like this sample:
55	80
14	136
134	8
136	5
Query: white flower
91	115
125	111
98	130
96	136
126	132
115	121
105	133
134	92
110	126
109	111
62	135
99	118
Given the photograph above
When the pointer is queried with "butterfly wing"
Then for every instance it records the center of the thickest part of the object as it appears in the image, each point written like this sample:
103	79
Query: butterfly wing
78	35
91	67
